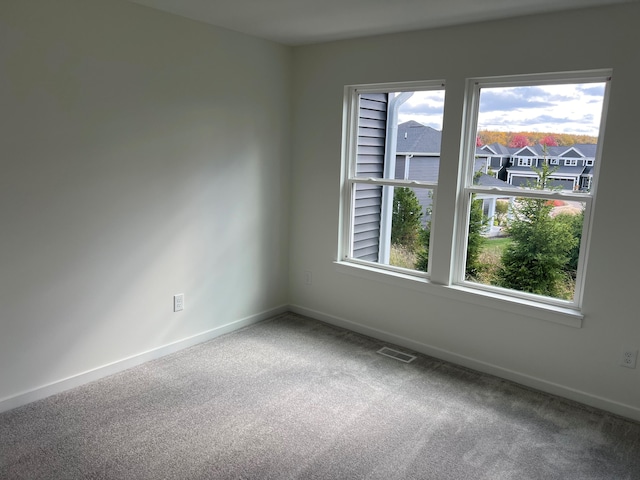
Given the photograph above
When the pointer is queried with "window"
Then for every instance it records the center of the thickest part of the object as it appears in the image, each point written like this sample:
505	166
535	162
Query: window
538	250
392	177
571	162
491	231
524	162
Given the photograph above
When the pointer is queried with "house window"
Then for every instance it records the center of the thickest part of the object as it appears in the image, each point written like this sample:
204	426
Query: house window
589	163
490	235
554	161
392	174
571	162
524	162
541	251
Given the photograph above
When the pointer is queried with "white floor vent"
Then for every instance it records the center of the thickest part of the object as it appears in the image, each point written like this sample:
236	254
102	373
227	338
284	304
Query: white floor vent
390	352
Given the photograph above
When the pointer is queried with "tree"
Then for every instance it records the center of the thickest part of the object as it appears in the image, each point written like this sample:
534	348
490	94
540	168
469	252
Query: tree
518	141
407	216
537	257
422	261
478	141
475	239
575	222
489	137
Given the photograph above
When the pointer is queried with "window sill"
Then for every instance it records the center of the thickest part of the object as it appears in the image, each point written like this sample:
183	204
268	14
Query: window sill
551	313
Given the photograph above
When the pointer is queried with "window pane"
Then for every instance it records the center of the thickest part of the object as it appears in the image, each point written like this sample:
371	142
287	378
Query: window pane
523	129
398	139
398	237
372	133
411	228
399	135
534	138
525	244
367	206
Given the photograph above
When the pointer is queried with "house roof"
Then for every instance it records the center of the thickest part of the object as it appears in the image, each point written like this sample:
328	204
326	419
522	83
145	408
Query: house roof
489	181
539	151
413	137
498	149
582	150
588	150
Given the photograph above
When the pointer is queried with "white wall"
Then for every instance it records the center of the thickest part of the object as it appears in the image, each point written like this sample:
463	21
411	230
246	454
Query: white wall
142	155
581	363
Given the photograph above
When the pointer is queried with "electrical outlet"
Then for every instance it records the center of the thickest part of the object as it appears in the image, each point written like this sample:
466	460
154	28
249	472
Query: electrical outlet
178	302
629	358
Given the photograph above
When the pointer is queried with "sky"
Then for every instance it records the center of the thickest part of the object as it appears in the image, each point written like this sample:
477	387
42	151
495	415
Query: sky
574	108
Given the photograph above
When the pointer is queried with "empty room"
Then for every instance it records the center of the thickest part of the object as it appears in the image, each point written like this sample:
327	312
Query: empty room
332	240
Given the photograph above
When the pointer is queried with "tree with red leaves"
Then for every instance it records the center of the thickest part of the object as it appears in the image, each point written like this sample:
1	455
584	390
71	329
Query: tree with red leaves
518	141
549	141
478	141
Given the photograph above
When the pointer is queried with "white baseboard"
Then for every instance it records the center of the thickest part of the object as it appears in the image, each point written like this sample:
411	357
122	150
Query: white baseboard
120	365
609	405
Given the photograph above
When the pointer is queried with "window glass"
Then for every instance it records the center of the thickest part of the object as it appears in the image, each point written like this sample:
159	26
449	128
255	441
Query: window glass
529	238
395	164
524	192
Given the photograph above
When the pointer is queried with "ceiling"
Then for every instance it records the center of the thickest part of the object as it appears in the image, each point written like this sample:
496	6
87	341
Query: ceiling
299	22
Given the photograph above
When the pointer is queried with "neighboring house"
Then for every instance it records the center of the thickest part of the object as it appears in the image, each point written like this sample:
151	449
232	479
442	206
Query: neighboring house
572	167
497	158
415	155
418	158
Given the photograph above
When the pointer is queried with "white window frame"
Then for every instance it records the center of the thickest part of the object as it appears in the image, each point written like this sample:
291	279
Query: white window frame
525	162
570	162
470	126
451	221
349	172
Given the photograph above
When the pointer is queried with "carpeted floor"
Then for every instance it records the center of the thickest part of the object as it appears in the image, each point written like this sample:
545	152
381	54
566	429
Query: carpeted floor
293	398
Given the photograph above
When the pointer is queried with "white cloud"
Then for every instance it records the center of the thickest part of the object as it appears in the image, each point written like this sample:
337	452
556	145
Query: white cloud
575	108
551	108
424	107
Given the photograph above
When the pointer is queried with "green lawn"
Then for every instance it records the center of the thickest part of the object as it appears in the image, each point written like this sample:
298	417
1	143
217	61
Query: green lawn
496	244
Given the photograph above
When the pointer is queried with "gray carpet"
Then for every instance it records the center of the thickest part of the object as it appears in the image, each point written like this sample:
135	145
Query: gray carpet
293	398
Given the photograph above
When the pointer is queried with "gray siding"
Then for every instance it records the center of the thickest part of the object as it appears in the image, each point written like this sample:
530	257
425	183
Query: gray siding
372	132
571	154
424	169
420	168
401	161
